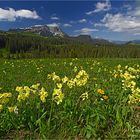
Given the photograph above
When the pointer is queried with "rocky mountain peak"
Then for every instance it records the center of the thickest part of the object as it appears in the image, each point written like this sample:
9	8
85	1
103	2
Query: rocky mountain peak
44	30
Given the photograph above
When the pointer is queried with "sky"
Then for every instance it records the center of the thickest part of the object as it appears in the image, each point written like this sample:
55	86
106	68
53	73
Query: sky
107	19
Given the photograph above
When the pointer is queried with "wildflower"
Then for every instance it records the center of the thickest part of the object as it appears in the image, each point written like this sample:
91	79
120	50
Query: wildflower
1	107
115	75
75	69
94	78
58	95
81	78
105	97
71	63
65	79
27	89
84	96
100	91
135	97
43	95
59	85
35	86
54	77
71	83
19	89
13	109
4	98
119	66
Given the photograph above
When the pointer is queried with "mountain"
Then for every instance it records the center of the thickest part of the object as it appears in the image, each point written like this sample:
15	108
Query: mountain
55	31
90	40
133	42
119	42
43	30
86	38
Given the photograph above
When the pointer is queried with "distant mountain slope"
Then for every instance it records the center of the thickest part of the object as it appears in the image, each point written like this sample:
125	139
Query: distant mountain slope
119	42
55	31
89	39
43	30
133	42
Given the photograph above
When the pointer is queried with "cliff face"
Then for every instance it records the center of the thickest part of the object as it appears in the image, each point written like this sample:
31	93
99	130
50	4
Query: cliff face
43	30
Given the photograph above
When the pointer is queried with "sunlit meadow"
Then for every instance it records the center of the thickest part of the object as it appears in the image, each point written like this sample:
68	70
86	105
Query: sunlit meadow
70	99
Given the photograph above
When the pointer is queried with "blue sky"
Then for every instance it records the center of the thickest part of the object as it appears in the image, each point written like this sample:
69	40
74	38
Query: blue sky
108	19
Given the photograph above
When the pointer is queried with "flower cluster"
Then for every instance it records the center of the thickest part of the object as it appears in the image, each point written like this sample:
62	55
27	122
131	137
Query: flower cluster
58	95
25	92
4	99
80	79
129	82
102	93
13	109
54	77
43	95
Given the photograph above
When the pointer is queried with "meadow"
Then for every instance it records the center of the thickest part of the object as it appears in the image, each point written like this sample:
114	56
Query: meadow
70	99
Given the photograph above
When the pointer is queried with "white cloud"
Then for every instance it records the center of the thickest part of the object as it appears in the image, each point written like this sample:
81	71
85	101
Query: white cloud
82	20
86	30
54	18
53	25
100	6
12	14
67	25
121	23
136	12
136	34
127	6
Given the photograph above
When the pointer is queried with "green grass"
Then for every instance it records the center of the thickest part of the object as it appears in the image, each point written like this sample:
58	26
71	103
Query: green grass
94	117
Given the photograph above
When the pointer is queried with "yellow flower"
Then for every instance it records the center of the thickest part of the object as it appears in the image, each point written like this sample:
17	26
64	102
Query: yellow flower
35	86
119	66
43	95
7	95
71	83
81	78
58	95
105	97
84	96
4	98
27	89
1	107
115	75
94	78
100	91
75	69
65	79
13	109
19	89
59	85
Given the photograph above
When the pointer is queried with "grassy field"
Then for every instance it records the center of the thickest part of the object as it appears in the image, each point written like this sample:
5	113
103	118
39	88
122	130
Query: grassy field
70	98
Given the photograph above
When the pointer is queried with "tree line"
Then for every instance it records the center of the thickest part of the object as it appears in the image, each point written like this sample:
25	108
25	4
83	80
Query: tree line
27	45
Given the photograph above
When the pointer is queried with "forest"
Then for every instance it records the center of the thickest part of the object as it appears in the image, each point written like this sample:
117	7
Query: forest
28	45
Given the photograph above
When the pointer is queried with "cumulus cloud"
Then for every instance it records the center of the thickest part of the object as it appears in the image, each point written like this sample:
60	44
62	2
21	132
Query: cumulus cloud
54	18
100	6
121	23
67	25
136	12
86	30
53	24
127	6
12	14
82	20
